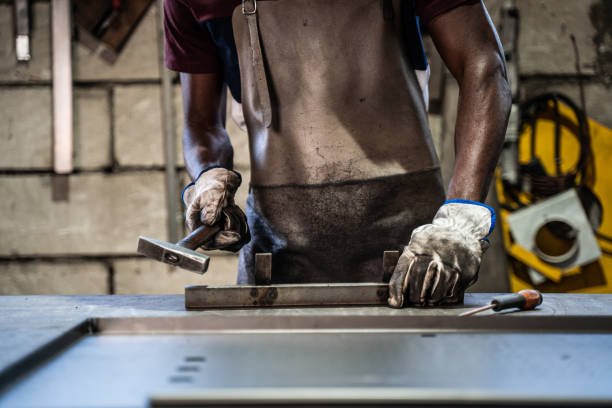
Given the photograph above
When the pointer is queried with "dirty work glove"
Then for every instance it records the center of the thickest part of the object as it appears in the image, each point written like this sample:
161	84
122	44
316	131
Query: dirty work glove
442	258
210	200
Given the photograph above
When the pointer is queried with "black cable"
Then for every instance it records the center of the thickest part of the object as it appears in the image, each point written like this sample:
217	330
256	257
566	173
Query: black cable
541	183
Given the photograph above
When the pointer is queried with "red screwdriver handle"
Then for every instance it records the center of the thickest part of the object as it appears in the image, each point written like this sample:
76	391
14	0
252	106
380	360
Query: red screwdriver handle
526	299
533	298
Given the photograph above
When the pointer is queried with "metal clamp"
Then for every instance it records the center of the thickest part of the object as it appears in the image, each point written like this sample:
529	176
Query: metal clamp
253	10
263	269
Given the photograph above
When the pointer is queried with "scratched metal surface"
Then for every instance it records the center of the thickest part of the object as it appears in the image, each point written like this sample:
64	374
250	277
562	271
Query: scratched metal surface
28	323
125	370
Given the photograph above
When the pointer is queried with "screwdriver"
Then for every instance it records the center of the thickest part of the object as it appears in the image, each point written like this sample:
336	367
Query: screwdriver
526	299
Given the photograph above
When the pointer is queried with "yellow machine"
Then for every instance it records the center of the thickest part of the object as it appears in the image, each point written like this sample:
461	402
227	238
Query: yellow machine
559	149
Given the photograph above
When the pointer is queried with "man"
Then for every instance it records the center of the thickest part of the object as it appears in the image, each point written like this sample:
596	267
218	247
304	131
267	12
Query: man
342	162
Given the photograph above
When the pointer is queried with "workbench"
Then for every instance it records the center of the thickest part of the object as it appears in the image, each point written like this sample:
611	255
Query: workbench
134	351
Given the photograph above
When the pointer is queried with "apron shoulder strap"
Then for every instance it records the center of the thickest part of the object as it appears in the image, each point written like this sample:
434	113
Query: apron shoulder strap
249	10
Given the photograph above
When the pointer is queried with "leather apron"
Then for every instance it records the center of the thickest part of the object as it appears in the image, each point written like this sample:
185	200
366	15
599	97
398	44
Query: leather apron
342	161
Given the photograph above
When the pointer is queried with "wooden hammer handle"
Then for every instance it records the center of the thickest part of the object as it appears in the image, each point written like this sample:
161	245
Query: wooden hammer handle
199	236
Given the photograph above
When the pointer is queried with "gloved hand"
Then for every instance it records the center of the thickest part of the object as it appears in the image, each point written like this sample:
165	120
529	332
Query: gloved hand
442	258
210	200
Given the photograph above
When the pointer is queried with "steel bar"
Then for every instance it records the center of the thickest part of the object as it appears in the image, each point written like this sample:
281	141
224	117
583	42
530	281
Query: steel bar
263	269
387	320
363	397
62	87
333	294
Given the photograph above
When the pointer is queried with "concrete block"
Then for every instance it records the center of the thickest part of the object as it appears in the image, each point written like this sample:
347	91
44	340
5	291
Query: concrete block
39	66
597	96
26	143
544	39
92	133
144	276
105	214
53	278
138	126
238	137
138	58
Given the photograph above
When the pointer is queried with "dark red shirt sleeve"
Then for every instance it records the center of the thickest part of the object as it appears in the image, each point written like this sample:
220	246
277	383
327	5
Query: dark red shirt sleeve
427	10
188	46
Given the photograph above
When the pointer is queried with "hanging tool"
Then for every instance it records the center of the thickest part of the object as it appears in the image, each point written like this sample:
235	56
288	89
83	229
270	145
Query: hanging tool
22	30
112	16
105	26
182	253
526	299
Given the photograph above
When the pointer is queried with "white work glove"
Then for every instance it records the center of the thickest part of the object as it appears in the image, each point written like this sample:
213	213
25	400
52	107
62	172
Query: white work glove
210	200
442	258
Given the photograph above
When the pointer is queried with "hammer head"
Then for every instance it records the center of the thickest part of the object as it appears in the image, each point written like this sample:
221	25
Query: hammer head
173	254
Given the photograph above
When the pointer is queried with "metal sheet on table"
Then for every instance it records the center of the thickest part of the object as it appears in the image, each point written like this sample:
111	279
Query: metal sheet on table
202	356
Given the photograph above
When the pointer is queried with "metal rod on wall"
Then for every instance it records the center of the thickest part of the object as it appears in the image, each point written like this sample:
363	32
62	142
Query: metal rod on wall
62	87
169	132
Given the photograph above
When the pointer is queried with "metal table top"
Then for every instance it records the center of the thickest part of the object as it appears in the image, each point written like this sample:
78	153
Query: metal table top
28	323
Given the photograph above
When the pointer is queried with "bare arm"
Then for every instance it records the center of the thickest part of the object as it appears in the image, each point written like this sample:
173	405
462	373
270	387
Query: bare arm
467	41
205	141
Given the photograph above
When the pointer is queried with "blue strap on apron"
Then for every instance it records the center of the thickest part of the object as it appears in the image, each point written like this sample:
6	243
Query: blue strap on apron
412	36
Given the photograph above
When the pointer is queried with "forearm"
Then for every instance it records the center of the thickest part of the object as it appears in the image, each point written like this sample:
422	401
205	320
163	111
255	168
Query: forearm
468	43
206	146
205	141
482	117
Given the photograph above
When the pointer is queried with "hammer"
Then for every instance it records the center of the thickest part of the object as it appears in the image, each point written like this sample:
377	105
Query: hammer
182	253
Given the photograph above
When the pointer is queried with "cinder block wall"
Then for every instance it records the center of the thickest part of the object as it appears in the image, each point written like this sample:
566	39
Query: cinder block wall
117	192
87	244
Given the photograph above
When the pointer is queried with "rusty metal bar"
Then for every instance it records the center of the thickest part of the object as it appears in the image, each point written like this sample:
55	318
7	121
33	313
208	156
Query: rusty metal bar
263	268
62	87
325	294
363	397
381	319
